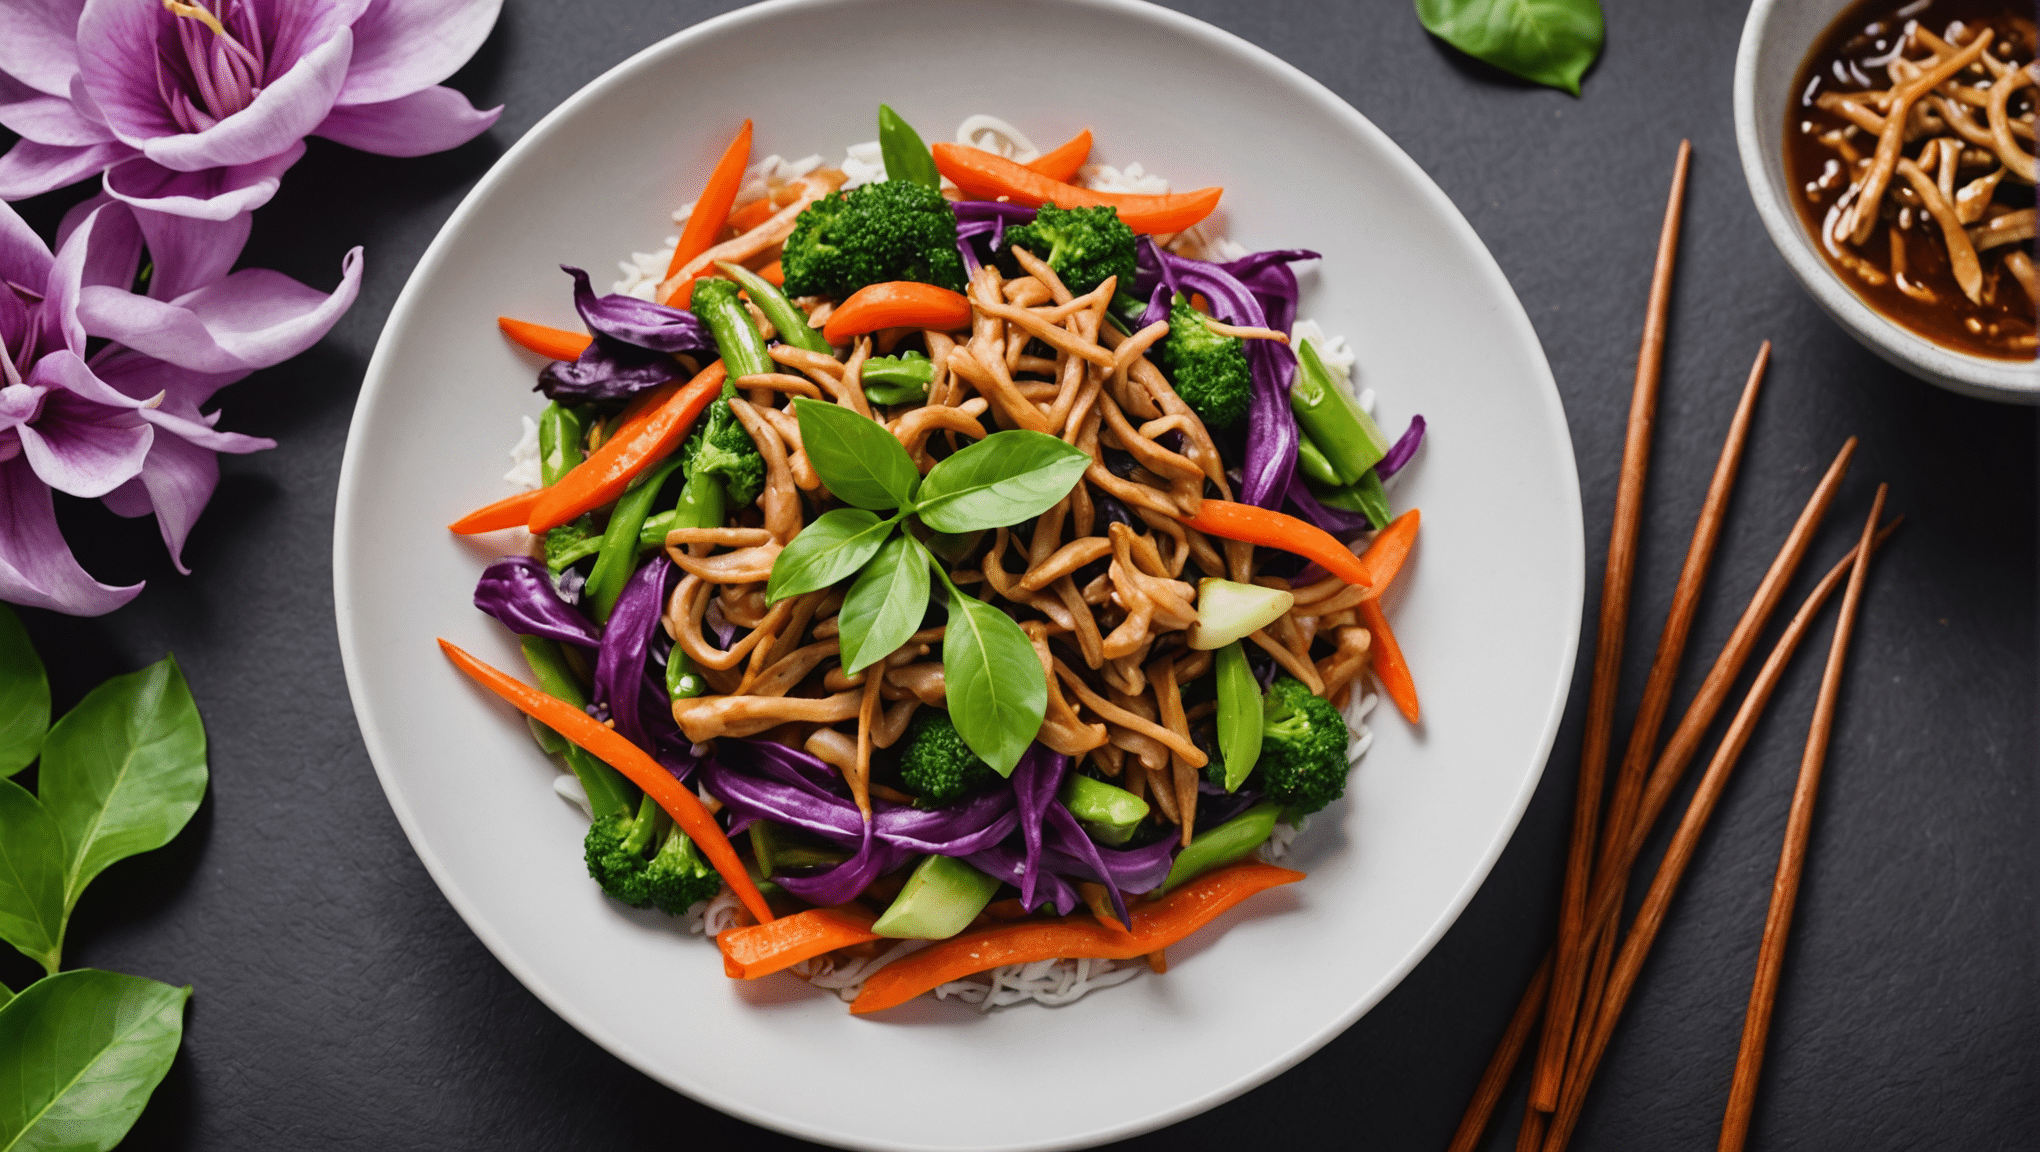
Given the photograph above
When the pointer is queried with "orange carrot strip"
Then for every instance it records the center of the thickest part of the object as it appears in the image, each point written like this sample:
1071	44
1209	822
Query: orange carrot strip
1156	925
553	343
638	443
1389	548
763	949
1268	529
896	304
712	208
753	214
619	753
987	176
773	274
509	512
1389	666
1062	164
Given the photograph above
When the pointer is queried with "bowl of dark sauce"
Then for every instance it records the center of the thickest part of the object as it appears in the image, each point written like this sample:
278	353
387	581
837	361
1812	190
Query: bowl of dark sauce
1889	146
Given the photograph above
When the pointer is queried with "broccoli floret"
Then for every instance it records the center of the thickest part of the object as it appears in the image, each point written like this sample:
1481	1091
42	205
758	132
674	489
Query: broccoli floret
721	448
1081	245
673	879
1208	371
892	230
937	765
1303	747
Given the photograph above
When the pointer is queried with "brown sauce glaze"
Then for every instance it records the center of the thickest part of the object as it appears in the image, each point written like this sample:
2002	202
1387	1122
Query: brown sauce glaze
1946	249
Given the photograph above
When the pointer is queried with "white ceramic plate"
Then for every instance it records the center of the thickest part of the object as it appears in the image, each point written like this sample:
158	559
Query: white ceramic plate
1488	609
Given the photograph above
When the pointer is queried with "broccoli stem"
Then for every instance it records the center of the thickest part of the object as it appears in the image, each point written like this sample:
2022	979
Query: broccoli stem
608	794
645	826
736	338
790	322
617	558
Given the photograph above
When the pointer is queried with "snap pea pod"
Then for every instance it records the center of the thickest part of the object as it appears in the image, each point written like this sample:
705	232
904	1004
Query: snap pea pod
618	557
901	379
608	794
1233	840
1343	431
904	154
736	337
1239	715
1366	497
560	431
683	680
1311	459
786	316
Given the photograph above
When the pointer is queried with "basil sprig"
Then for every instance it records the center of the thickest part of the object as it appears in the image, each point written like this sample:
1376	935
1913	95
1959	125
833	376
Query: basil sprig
997	692
1551	42
120	774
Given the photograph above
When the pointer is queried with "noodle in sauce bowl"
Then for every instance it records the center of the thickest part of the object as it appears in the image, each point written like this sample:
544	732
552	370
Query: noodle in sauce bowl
1935	273
1487	609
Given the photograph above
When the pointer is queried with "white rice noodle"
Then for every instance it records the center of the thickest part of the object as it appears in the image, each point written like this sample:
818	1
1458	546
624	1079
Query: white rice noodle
1050	982
847	981
862	164
996	136
710	917
524	471
1131	179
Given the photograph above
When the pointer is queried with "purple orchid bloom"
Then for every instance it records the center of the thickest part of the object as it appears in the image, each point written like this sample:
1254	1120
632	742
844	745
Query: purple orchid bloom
196	107
123	424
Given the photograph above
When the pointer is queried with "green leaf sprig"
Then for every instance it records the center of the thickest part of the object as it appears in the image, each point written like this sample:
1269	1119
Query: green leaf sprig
997	693
120	774
1550	42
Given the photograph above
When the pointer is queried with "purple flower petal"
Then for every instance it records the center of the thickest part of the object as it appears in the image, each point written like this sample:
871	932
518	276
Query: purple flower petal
402	46
24	258
140	377
38	42
179	478
31	169
36	565
46	119
251	319
416	125
83	448
218	194
113	250
1405	446
186	253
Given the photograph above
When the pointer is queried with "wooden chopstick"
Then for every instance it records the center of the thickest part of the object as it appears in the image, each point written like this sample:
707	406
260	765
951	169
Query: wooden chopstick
1749	1060
1657	691
1685	842
1608	638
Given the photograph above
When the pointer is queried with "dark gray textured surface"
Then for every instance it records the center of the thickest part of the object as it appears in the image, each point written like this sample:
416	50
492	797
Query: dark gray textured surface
340	1002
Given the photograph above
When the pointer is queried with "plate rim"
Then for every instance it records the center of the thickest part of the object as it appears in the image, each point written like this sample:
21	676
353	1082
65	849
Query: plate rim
375	381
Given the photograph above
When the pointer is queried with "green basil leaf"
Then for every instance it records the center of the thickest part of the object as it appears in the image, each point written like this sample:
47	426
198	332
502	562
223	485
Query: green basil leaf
838	543
31	877
123	771
997	694
861	462
1002	479
1240	715
80	1053
886	604
6	994
24	697
1547	41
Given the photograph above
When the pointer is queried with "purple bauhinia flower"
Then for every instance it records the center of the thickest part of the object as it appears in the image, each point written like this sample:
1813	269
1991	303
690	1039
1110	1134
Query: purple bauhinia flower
196	107
122	421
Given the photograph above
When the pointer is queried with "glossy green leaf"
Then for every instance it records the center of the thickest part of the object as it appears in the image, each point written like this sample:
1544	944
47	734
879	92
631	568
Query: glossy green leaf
80	1053
1000	480
885	606
31	877
997	693
905	156
123	771
1240	715
861	462
1547	41
6	994
838	543
24	696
